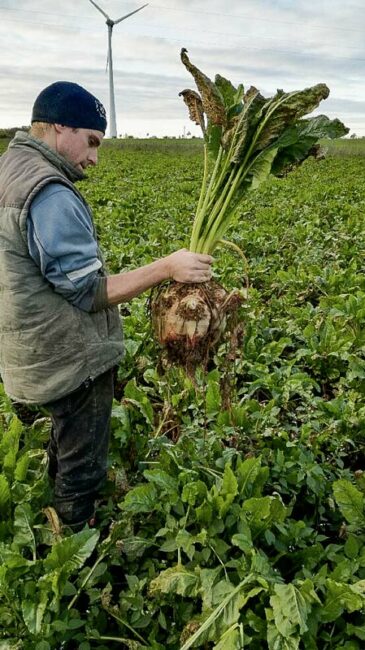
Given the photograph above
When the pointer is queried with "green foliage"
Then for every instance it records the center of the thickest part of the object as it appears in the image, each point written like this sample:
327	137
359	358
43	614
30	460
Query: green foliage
236	499
249	137
351	503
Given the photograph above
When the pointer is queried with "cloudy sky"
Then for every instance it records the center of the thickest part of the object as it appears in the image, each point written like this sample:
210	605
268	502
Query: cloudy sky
266	43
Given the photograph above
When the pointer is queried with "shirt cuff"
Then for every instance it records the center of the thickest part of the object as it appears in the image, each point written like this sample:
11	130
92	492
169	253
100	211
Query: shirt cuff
100	297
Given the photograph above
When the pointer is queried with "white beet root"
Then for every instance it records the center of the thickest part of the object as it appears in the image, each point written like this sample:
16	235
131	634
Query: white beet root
189	319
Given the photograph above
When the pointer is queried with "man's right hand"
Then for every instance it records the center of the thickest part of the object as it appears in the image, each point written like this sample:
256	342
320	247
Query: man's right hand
184	266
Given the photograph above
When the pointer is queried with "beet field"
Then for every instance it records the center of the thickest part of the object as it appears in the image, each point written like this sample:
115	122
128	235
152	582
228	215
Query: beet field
234	514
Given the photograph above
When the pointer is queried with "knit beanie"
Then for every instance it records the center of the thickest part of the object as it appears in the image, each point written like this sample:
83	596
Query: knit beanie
67	103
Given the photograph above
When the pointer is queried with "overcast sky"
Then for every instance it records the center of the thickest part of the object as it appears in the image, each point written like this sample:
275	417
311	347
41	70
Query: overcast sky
266	43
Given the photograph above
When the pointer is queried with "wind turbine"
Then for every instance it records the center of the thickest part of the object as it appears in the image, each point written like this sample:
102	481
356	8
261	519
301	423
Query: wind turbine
110	23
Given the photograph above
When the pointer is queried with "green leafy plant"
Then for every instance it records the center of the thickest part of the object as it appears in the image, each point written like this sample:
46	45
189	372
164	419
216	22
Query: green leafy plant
208	486
248	137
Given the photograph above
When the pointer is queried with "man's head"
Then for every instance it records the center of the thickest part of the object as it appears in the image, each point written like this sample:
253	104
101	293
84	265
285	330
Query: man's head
71	120
67	103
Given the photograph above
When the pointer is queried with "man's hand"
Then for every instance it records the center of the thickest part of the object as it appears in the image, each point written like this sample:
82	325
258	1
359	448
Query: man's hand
184	266
181	266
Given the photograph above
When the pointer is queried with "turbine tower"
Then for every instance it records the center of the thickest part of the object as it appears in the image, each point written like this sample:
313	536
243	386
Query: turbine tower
110	23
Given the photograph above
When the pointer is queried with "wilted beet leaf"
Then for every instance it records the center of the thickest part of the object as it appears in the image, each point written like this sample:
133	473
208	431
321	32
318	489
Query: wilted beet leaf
249	138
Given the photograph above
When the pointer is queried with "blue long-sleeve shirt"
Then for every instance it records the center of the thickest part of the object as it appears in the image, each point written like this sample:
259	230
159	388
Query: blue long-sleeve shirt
61	242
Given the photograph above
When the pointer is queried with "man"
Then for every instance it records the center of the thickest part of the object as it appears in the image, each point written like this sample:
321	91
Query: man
60	332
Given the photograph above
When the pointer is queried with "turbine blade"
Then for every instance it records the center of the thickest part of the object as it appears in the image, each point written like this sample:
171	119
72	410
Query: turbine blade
127	15
101	10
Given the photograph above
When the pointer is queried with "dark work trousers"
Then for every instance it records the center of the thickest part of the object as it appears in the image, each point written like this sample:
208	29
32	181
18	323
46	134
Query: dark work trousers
78	447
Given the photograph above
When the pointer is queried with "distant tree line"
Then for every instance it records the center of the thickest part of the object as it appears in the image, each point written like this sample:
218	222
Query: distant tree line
354	136
10	132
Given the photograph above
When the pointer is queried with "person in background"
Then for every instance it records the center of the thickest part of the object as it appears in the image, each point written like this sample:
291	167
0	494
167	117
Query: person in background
60	330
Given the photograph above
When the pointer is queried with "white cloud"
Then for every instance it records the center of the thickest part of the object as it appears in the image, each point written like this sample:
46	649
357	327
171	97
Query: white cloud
266	43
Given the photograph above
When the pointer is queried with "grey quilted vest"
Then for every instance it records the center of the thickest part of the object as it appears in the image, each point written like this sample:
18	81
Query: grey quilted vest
48	347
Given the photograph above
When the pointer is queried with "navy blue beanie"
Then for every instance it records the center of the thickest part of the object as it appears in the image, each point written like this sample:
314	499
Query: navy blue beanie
67	103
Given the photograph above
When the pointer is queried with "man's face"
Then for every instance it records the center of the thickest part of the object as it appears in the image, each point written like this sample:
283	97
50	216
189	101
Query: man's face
79	146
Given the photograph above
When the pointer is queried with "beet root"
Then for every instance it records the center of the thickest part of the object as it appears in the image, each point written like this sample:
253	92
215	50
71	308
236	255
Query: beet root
189	319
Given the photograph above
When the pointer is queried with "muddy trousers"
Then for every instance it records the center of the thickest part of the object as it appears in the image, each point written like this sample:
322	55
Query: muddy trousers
78	448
